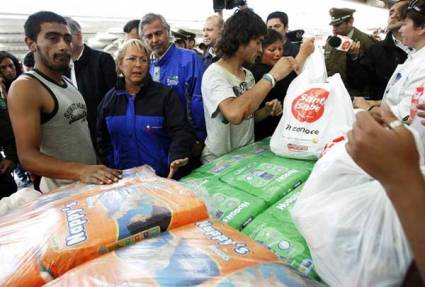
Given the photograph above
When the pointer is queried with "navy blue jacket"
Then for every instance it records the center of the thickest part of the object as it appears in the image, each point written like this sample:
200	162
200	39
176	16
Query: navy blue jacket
150	128
182	70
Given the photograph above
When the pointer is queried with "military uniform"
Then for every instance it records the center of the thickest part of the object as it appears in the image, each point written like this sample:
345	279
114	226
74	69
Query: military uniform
339	61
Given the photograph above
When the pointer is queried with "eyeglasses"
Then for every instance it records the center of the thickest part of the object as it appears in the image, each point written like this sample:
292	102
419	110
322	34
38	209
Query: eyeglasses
134	60
413	6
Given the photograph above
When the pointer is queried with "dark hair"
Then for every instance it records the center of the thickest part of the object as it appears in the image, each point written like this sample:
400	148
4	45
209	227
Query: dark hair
32	25
418	17
271	37
130	25
282	16
18	66
29	59
238	30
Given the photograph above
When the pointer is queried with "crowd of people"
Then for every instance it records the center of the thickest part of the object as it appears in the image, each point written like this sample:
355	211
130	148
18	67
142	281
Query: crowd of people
72	113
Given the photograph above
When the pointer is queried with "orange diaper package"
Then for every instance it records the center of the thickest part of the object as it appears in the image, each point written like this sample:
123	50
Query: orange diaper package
204	253
81	222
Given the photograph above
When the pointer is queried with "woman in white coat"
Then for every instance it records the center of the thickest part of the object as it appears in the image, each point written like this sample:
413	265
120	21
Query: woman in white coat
411	74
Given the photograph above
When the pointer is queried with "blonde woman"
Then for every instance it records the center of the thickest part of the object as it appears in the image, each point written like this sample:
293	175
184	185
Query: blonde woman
141	121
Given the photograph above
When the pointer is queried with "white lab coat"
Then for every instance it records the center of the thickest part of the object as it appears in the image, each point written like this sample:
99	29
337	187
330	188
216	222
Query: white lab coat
403	83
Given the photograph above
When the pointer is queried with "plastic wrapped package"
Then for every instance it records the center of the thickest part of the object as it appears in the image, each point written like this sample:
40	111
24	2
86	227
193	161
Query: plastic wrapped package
275	229
365	244
206	253
17	199
228	162
77	189
67	228
230	205
269	177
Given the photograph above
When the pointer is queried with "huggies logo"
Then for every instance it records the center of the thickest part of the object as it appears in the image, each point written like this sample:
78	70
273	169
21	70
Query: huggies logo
310	106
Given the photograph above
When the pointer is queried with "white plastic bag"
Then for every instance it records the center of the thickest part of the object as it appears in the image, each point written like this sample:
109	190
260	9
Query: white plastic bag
316	110
18	199
350	224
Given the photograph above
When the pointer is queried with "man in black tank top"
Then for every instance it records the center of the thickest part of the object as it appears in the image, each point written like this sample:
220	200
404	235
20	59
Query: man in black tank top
49	116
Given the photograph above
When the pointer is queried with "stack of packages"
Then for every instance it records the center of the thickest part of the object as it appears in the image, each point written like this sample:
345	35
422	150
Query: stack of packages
143	230
206	253
47	237
253	190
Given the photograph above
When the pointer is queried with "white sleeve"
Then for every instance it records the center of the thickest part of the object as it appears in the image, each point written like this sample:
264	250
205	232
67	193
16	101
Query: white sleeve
215	89
416	79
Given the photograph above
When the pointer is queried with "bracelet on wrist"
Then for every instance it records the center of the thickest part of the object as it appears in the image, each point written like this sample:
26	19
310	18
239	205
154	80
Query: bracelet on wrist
269	78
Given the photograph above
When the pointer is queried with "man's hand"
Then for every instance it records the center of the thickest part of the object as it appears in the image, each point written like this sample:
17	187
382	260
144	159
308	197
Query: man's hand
99	174
386	154
360	103
6	166
273	108
176	164
283	67
307	47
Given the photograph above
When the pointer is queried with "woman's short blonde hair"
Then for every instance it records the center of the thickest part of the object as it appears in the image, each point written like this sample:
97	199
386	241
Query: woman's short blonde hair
125	46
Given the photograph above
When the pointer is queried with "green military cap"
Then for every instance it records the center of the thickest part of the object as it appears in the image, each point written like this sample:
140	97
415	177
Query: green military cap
187	34
178	35
339	15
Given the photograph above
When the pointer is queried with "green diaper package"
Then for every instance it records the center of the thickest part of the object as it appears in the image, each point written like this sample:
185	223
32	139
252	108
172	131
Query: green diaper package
275	229
225	202
268	177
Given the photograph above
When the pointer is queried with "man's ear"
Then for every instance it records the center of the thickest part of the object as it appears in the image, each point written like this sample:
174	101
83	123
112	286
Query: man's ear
31	44
79	36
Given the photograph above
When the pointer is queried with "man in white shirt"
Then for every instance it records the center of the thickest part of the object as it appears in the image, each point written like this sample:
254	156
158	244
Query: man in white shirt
231	97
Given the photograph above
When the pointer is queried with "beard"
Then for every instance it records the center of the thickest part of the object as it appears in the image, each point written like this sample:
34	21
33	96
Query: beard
63	64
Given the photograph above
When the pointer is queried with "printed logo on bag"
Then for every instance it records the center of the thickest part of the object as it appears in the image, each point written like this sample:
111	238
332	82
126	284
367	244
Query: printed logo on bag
346	45
310	106
214	234
76	221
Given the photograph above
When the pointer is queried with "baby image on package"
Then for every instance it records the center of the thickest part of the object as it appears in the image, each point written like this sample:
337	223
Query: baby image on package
199	254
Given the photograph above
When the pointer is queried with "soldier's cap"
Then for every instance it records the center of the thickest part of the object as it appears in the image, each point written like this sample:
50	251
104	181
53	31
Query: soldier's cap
295	36
182	34
339	15
178	35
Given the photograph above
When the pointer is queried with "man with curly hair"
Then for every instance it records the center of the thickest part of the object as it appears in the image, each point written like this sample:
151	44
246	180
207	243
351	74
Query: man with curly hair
230	95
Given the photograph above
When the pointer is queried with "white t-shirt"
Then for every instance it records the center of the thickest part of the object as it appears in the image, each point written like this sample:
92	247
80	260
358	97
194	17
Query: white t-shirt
403	83
222	137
